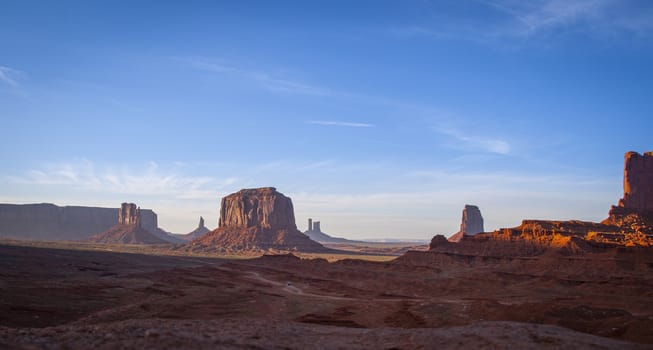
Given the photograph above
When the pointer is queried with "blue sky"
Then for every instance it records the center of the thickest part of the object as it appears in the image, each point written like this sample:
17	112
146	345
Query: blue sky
379	118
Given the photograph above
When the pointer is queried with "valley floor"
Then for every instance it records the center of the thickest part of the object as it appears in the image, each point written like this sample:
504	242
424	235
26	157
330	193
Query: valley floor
56	297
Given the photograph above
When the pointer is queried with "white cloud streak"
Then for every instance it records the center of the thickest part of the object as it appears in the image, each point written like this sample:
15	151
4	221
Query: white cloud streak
340	123
266	80
149	181
474	143
7	76
540	19
535	16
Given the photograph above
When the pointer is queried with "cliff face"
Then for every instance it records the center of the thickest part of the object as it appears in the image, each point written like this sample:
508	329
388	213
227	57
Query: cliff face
471	223
263	207
638	182
128	230
256	220
50	222
629	224
129	214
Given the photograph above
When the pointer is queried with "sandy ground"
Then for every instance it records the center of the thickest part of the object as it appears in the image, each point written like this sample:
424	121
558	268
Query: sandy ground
60	298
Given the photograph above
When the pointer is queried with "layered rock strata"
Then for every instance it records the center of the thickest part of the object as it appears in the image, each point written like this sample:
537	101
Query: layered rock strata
629	224
259	219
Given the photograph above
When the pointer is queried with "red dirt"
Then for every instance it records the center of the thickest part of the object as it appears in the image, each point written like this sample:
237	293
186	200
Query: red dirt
52	298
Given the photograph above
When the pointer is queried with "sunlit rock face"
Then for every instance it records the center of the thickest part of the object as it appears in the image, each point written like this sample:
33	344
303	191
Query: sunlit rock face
471	224
629	224
263	207
259	219
638	182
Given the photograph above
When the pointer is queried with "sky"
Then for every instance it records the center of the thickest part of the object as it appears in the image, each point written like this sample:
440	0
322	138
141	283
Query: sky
381	119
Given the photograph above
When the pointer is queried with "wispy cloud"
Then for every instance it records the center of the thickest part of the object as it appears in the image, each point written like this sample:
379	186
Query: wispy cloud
535	16
525	20
266	80
474	143
340	123
149	180
8	76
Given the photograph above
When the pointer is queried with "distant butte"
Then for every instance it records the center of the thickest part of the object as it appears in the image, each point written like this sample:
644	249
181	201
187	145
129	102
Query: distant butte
629	224
256	220
200	231
315	233
128	230
471	223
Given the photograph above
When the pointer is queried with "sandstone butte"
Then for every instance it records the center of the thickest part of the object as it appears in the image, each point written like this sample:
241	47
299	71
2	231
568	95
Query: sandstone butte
471	223
256	220
128	230
629	224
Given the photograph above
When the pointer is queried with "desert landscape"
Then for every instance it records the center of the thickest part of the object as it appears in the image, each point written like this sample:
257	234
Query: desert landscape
256	281
413	174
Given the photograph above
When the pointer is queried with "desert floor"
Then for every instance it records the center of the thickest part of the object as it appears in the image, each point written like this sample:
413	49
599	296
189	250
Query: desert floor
57	296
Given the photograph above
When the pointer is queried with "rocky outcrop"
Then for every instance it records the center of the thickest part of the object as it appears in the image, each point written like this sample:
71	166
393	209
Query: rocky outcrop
49	222
256	220
471	223
315	233
438	240
129	214
128	230
200	231
630	224
263	207
638	182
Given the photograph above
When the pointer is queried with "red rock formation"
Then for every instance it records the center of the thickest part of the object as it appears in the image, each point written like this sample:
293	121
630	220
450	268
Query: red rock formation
129	214
438	240
258	219
638	182
126	234
49	222
263	207
471	223
629	224
128	230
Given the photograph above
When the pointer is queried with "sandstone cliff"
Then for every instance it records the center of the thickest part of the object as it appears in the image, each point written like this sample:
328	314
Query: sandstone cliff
50	222
638	182
262	207
629	224
260	219
53	223
128	229
471	223
129	214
